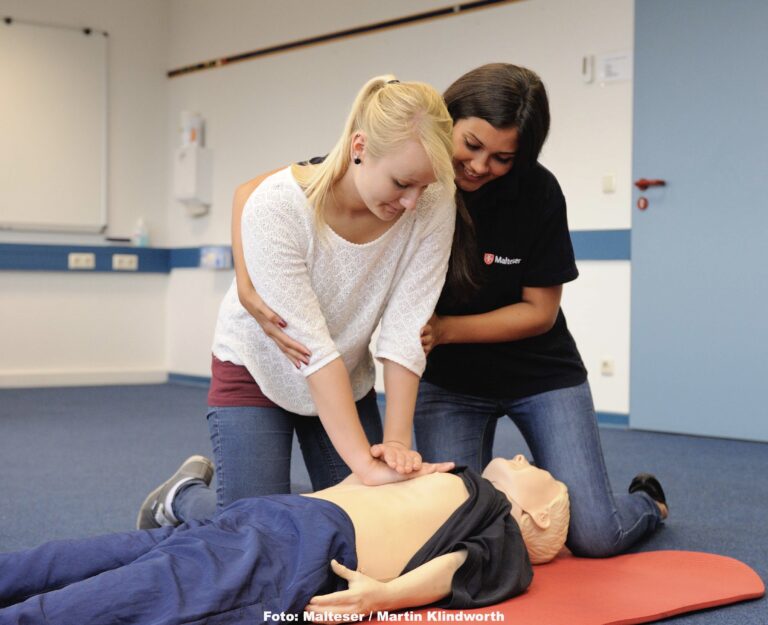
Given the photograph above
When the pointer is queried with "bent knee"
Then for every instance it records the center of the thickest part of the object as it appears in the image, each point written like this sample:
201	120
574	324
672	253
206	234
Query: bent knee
595	544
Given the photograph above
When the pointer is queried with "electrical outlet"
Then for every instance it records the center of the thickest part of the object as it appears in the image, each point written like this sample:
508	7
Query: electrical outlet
216	257
607	367
81	260
125	262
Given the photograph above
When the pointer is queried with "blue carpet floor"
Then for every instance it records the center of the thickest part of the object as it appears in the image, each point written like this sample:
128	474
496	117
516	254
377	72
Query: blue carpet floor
79	461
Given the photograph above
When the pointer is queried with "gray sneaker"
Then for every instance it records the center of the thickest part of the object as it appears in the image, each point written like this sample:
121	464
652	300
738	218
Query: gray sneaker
157	509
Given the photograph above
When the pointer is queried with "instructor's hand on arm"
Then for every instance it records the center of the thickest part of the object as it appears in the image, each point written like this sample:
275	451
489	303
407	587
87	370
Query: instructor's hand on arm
430	334
272	324
534	315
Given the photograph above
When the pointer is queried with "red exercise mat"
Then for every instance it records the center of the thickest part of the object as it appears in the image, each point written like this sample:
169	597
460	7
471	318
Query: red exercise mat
627	589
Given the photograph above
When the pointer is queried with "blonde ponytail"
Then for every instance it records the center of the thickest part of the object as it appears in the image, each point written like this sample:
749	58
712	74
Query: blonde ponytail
390	113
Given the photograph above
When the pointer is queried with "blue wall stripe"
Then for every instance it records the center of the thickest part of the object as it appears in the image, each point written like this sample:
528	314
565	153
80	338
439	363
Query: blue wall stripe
601	244
184	257
27	257
587	245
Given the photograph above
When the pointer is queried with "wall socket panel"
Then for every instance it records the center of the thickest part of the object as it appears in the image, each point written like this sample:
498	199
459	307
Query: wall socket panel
81	260
607	367
125	262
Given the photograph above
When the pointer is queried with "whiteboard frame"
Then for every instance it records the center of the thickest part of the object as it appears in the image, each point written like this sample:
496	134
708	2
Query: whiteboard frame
103	221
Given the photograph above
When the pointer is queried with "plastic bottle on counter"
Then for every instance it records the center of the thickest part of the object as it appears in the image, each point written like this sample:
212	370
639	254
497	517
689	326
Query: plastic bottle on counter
140	236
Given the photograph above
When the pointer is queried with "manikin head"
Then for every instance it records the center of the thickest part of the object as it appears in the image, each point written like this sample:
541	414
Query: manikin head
540	504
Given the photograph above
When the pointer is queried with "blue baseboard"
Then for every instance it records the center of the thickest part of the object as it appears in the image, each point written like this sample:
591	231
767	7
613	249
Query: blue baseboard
607	419
613	419
200	381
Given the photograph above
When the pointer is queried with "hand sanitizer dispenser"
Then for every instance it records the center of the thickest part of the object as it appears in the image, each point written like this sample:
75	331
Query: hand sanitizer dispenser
193	167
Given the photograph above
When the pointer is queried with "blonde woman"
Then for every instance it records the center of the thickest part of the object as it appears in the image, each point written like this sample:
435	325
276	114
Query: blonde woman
335	247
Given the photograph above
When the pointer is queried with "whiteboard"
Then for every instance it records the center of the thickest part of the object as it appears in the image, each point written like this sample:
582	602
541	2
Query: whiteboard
53	128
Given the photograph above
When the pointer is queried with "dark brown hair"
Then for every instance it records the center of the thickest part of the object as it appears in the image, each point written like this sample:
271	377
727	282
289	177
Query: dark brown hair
506	96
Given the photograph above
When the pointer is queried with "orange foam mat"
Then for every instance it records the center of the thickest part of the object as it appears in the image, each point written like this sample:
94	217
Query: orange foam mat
627	589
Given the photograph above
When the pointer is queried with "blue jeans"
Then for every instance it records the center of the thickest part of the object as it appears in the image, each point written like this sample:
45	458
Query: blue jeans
252	453
560	428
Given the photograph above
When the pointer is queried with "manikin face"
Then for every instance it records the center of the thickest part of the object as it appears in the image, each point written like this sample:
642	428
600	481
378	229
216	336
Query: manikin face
528	488
481	152
394	182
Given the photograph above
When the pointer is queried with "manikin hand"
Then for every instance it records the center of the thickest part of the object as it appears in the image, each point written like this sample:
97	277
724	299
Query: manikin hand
364	595
397	456
430	334
273	325
378	473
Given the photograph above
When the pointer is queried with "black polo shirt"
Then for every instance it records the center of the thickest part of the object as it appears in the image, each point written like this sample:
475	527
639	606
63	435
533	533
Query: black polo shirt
497	566
522	240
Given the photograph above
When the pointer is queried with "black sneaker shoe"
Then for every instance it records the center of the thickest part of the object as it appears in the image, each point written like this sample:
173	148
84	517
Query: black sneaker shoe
157	511
647	483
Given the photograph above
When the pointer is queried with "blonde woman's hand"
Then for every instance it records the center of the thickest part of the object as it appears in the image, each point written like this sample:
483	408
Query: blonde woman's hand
397	456
273	326
378	472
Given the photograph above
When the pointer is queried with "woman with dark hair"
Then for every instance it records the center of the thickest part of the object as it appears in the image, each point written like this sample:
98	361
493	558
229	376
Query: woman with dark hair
505	348
498	343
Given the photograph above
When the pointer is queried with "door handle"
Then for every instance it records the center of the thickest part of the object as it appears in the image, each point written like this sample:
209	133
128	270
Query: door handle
644	183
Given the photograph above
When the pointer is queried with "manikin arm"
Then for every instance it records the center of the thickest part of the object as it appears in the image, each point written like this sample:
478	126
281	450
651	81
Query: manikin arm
424	585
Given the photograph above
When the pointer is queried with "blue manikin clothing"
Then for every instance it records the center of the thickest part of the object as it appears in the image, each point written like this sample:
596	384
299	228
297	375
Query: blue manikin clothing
272	556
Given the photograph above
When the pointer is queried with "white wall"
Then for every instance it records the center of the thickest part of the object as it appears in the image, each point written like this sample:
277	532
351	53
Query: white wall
597	310
193	299
268	111
70	330
271	110
202	30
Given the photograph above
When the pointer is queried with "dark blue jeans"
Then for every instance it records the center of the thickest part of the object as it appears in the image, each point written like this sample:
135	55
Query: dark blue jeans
560	428
252	453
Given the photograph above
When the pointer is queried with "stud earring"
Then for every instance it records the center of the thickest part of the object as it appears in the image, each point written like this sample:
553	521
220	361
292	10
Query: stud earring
357	160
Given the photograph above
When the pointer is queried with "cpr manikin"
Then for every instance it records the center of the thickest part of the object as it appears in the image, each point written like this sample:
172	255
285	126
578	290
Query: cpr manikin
442	539
540	504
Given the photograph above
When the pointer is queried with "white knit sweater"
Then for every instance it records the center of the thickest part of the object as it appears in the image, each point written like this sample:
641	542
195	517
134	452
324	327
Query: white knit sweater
333	293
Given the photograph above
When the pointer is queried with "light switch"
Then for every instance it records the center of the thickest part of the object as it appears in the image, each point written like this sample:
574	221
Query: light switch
609	183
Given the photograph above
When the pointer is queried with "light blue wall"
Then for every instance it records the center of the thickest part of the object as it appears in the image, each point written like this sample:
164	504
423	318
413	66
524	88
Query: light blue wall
699	273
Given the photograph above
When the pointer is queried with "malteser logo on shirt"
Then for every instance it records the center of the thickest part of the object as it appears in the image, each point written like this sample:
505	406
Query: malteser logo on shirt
489	259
